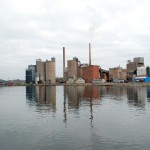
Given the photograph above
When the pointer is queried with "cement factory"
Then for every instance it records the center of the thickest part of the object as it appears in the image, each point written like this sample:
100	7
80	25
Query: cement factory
44	72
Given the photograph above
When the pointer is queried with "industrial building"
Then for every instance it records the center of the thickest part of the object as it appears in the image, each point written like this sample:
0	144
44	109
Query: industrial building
148	71
73	68
89	73
46	71
132	67
141	71
42	72
30	74
50	71
104	74
117	73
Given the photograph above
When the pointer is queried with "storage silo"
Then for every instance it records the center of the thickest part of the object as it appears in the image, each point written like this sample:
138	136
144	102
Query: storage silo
50	71
72	66
40	69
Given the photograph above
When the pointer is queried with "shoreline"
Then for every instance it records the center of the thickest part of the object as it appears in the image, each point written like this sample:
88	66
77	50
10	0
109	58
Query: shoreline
130	84
137	84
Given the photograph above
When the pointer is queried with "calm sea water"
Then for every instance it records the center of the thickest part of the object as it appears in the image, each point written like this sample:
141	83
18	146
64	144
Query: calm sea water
74	118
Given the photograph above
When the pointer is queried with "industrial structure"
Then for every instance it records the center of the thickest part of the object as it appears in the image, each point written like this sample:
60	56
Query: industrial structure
141	71
116	74
148	71
89	73
73	68
50	73
42	72
132	67
30	74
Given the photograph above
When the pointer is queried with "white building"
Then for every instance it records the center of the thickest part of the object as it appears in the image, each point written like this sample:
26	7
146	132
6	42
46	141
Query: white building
141	71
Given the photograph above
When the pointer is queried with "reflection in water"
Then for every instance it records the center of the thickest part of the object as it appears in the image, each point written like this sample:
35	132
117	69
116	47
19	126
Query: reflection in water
88	97
30	93
76	95
148	94
136	96
98	117
115	92
85	96
44	96
65	109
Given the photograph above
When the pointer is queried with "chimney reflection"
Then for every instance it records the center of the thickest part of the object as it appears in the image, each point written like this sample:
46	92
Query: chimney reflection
65	109
76	96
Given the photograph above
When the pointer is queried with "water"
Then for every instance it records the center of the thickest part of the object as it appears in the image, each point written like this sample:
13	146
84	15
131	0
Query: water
74	117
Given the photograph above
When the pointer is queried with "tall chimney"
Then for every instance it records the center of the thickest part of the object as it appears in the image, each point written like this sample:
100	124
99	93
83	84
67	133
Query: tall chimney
89	54
64	62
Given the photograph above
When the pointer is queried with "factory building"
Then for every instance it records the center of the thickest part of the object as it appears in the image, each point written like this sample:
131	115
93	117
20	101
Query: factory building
89	73
50	71
73	68
42	72
30	74
76	70
116	74
132	67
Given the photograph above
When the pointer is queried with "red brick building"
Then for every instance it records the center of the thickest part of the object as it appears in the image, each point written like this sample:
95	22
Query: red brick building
89	73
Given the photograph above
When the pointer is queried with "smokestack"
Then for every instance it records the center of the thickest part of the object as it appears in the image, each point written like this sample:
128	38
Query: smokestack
63	62
89	54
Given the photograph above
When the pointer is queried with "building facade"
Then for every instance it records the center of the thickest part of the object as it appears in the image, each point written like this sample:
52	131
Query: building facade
132	66
30	74
141	71
88	73
117	73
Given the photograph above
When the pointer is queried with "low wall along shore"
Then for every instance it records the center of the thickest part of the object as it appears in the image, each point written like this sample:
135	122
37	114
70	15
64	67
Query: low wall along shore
140	84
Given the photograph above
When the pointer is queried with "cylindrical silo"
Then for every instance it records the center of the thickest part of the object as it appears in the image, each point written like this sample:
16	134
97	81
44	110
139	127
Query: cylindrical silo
50	71
40	66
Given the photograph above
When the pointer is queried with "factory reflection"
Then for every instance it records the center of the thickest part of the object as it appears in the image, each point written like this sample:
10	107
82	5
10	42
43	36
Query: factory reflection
76	95
43	96
137	96
89	97
81	96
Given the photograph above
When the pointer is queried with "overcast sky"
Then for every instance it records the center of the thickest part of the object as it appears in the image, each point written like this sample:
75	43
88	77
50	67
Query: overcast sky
31	29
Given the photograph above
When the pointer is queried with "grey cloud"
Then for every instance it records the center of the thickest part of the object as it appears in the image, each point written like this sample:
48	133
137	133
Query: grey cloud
112	27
